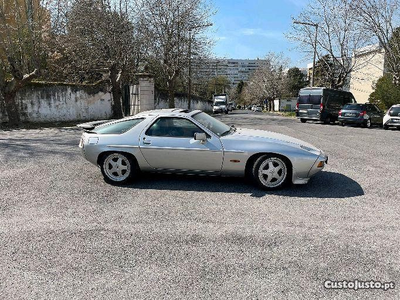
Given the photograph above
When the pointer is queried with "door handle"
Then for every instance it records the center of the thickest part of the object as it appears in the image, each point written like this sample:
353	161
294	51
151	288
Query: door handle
146	142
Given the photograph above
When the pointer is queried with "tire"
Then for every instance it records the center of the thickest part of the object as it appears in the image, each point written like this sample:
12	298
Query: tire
327	120
385	127
368	123
271	172
342	123
303	120
118	168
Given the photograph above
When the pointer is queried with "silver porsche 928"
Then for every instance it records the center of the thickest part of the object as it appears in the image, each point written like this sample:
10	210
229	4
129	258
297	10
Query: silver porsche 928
179	141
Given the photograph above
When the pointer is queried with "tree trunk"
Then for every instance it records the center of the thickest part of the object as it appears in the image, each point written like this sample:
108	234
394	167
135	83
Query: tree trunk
116	93
12	109
171	93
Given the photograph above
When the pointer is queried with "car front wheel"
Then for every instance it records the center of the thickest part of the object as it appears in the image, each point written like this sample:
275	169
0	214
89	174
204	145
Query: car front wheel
271	172
303	120
118	168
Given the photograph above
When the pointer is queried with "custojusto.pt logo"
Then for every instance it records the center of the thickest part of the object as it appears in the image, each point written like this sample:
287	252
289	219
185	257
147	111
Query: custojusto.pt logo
358	285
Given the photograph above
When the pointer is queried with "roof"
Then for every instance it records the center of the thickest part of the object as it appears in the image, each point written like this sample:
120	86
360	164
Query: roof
166	112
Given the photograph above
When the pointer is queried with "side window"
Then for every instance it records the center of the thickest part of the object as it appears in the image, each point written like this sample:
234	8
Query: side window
173	127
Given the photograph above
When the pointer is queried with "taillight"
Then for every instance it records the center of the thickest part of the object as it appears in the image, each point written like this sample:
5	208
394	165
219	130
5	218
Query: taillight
321	107
340	112
297	106
363	113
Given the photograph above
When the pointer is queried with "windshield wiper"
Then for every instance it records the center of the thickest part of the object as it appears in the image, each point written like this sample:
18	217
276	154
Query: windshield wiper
231	129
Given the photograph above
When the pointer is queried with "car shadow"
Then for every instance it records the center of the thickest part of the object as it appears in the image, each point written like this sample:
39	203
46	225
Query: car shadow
322	185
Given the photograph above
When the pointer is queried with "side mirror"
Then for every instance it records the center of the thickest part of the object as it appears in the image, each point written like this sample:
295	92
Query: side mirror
200	136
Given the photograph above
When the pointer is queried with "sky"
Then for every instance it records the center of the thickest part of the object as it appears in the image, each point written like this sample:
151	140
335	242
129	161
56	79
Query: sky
250	29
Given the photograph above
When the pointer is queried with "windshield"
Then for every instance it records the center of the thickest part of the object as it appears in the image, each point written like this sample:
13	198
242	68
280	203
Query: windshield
219	102
394	111
214	125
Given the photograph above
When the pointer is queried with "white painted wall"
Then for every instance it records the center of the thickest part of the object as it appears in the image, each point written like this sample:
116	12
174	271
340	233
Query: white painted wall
161	102
282	105
62	103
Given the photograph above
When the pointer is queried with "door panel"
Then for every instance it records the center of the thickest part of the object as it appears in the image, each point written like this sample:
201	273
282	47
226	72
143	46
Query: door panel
180	152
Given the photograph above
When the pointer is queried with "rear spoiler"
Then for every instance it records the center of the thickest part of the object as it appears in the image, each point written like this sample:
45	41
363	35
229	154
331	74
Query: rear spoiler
91	125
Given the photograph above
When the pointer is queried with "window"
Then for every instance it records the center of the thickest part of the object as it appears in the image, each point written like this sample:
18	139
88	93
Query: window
117	127
310	97
173	127
212	124
354	107
394	111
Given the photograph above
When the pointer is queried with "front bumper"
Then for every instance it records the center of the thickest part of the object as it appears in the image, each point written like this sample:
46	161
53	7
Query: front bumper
318	166
392	123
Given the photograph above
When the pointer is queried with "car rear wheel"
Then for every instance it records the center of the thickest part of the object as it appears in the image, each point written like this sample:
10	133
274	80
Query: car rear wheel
328	120
271	172
341	123
303	120
367	123
118	168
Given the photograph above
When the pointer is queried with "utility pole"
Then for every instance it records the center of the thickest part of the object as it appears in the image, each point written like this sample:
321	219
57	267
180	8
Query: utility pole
315	46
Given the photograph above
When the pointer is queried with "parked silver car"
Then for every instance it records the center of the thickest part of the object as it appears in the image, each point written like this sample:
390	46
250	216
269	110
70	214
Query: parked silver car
175	140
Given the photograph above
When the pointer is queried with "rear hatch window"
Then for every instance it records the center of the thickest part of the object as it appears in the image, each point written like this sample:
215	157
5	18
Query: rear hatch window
394	112
117	127
353	107
310	99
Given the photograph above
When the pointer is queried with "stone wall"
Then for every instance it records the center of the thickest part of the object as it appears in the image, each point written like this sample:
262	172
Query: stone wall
50	103
181	101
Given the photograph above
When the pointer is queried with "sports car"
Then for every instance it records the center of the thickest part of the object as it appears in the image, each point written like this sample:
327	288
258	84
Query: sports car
193	142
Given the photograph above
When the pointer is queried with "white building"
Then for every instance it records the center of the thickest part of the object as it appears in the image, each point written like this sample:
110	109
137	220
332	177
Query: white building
370	66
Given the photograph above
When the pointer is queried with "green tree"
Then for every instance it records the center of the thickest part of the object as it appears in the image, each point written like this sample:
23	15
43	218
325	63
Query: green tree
386	92
324	74
295	80
217	85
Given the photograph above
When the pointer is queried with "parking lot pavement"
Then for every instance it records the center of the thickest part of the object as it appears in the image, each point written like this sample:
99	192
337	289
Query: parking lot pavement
66	234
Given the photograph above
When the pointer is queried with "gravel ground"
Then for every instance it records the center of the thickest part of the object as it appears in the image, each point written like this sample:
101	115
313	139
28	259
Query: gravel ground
66	234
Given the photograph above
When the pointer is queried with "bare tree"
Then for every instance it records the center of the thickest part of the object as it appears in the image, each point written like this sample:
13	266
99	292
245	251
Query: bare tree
267	81
173	30
338	36
381	19
23	30
96	36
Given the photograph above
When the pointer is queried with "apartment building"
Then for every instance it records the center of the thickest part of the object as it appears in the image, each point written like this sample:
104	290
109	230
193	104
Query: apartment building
235	70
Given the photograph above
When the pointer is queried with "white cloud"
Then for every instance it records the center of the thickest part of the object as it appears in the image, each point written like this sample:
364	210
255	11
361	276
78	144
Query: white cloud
261	32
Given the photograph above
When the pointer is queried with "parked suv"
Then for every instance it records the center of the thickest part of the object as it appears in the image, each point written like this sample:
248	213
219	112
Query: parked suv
392	117
321	104
362	114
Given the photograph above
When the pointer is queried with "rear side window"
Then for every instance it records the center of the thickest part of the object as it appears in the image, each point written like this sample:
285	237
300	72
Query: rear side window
118	127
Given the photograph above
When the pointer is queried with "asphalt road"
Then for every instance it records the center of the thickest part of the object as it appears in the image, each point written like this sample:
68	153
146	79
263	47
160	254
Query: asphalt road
66	234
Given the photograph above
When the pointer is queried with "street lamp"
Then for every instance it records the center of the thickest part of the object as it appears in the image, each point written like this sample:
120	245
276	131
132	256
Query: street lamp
190	59
315	45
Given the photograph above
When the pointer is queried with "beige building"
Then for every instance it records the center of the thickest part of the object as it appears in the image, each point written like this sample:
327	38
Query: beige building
369	68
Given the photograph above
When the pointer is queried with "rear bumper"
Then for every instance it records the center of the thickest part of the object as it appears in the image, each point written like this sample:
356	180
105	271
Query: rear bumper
348	120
